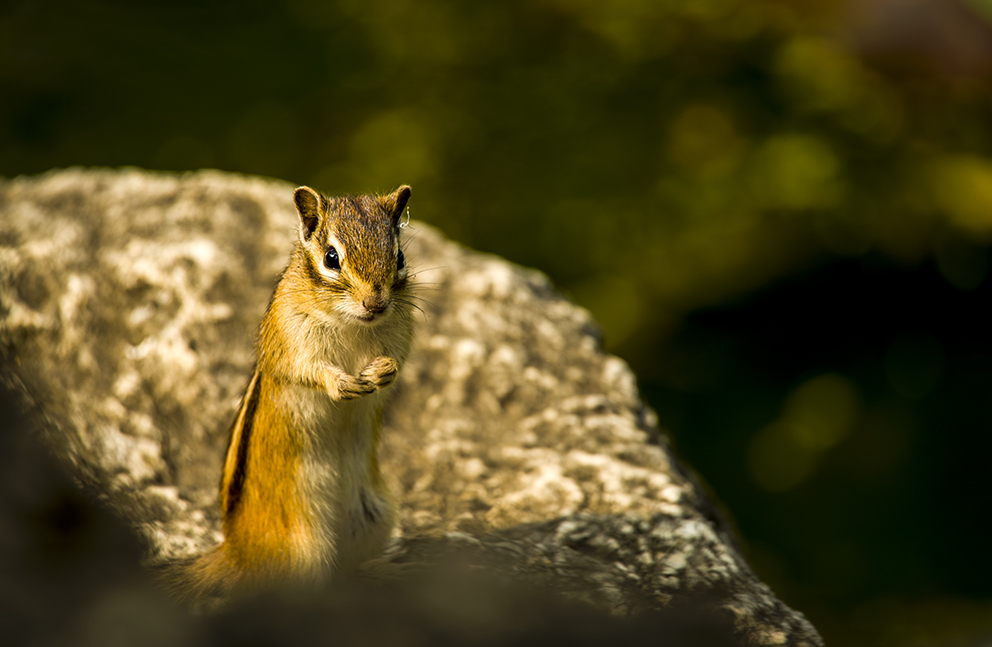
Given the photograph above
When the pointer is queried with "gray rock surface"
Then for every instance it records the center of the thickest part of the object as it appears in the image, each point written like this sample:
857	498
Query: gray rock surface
128	303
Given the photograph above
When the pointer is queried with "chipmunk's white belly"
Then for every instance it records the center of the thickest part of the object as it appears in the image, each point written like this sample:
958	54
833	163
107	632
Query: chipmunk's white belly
352	511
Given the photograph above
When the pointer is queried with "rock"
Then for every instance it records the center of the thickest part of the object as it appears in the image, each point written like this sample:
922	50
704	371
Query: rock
128	303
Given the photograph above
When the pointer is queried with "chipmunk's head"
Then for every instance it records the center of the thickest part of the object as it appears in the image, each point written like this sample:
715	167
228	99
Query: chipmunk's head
352	251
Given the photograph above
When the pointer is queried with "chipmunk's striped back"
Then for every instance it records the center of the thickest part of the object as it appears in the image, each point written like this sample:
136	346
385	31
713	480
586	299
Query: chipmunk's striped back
233	475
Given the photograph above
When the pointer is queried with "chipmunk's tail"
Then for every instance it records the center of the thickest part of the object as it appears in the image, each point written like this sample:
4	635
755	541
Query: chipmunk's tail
202	582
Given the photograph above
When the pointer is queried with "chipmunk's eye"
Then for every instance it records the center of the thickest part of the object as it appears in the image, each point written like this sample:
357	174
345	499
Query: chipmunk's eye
400	262
331	260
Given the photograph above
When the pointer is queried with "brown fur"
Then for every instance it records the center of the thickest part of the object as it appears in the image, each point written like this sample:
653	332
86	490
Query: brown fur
301	492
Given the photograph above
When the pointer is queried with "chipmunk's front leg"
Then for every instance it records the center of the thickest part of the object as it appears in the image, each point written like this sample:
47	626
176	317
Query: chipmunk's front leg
381	371
341	385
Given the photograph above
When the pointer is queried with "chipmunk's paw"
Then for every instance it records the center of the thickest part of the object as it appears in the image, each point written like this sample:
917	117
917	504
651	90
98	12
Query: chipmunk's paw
380	372
350	387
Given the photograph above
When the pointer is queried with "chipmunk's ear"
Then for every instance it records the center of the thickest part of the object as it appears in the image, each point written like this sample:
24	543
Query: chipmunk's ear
308	203
395	203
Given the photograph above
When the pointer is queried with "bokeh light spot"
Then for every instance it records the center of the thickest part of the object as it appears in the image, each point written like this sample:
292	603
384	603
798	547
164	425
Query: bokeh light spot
962	187
817	415
822	411
797	172
818	74
776	460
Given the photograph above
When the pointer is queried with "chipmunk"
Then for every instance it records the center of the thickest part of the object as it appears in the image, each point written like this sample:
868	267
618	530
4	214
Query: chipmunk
301	493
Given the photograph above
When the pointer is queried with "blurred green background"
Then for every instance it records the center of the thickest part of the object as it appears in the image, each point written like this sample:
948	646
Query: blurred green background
779	211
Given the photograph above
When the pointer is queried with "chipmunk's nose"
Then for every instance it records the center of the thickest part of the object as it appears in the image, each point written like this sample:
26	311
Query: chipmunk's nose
375	303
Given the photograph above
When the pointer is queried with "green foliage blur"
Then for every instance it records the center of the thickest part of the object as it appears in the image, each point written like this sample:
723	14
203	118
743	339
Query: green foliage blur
697	173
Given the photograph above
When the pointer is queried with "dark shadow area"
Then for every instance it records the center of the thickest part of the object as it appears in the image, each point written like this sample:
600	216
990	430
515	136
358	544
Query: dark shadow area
871	512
